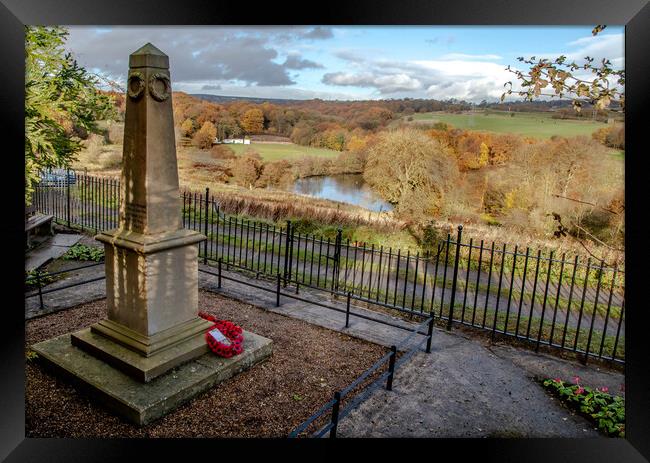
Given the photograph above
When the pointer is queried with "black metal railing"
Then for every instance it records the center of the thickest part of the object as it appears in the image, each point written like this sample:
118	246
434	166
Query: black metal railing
39	283
561	302
340	410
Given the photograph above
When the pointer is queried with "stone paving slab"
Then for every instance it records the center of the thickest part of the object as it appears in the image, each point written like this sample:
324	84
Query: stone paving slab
51	249
140	402
66	239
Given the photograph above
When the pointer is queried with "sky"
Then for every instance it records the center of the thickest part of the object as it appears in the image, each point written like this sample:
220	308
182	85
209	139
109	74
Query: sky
344	63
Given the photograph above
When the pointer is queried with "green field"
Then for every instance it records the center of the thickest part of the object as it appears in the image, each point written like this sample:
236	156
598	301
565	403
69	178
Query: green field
539	125
276	151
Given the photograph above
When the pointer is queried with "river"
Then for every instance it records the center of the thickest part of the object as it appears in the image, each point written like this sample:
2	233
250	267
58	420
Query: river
348	188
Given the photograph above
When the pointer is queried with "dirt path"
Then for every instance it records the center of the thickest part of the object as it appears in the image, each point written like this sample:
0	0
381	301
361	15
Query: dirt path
462	389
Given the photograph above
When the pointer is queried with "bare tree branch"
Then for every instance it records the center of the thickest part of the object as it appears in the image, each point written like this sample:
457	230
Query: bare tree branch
596	239
585	202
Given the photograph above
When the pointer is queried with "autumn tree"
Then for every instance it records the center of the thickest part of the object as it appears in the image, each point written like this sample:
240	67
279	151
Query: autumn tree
612	136
247	169
302	133
356	143
204	137
275	174
503	146
222	152
252	121
349	162
61	102
373	118
411	170
227	127
187	128
208	112
541	176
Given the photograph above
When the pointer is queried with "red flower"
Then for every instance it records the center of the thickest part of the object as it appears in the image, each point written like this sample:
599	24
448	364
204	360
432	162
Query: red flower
576	379
557	380
604	389
580	390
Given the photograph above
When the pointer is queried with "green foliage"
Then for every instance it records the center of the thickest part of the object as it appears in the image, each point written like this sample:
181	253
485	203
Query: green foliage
431	236
61	103
304	225
83	252
30	355
32	282
607	411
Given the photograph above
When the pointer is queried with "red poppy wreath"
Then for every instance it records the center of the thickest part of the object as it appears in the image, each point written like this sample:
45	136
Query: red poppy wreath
224	338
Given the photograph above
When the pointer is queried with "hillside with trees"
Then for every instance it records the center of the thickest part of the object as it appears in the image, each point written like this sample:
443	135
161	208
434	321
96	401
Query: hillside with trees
430	173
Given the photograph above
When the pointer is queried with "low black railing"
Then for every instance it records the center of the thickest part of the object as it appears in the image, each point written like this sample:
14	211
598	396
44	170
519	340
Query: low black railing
571	304
335	405
39	279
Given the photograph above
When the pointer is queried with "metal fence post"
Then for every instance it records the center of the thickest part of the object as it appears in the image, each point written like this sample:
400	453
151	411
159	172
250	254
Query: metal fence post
337	259
455	278
286	252
219	271
593	315
430	335
335	414
391	368
40	292
68	196
277	292
205	245
347	310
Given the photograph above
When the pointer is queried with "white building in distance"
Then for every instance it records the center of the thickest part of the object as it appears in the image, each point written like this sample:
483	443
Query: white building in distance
232	141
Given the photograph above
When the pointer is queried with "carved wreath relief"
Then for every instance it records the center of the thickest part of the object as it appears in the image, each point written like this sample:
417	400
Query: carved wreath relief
135	85
159	86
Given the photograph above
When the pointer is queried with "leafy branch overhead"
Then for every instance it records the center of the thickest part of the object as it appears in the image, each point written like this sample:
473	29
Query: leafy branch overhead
62	103
596	83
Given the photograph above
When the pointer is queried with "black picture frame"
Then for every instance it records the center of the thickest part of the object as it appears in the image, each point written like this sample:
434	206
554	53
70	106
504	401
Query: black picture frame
14	14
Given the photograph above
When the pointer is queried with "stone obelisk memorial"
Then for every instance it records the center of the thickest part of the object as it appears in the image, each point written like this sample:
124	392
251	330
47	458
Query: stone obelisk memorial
151	265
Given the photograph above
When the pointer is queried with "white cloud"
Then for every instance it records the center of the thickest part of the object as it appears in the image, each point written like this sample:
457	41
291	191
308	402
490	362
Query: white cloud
469	80
609	46
246	55
383	83
467	56
258	91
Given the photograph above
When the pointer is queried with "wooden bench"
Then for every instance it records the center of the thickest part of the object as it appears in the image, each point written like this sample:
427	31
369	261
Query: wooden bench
36	224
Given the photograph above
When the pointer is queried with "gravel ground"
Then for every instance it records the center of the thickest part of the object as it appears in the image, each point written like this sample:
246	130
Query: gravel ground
308	364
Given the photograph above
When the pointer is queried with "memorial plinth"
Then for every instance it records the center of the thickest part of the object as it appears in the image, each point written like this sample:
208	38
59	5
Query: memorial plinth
151	266
151	261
